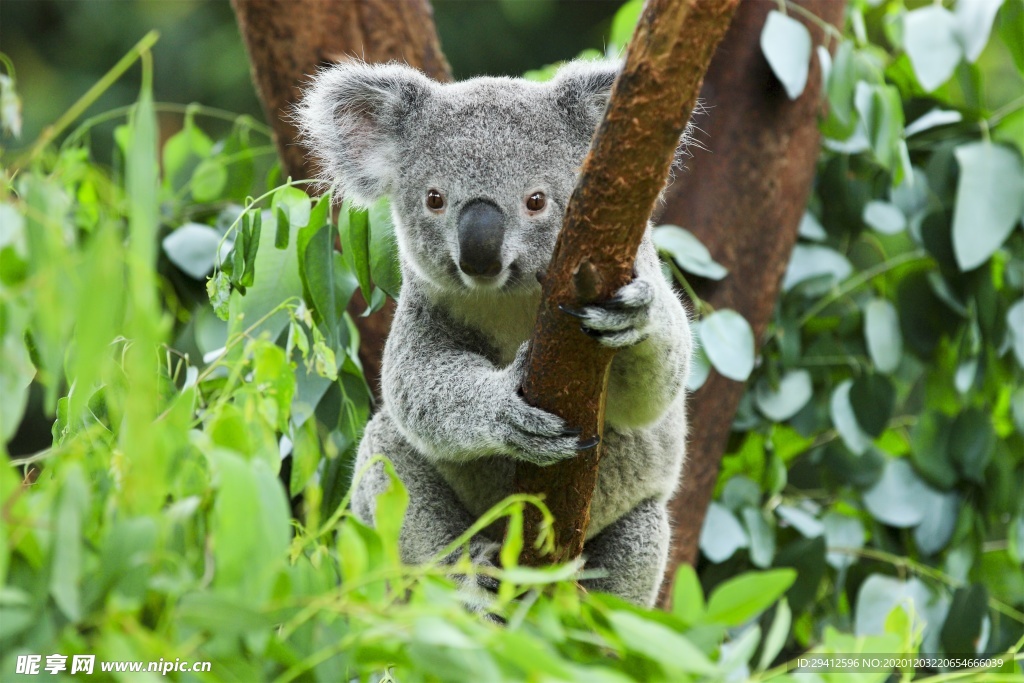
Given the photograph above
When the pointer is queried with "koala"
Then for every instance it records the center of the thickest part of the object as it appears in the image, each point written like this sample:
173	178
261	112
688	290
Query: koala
479	174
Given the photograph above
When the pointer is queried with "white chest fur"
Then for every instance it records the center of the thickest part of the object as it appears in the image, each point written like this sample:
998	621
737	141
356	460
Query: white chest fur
506	320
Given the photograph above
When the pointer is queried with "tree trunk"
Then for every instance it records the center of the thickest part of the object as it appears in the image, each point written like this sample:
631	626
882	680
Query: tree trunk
744	201
606	218
288	39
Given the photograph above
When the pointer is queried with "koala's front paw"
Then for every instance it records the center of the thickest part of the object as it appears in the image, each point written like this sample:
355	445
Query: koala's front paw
539	437
532	434
621	321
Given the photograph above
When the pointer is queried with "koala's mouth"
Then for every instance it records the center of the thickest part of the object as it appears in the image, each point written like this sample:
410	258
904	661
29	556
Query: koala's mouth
511	277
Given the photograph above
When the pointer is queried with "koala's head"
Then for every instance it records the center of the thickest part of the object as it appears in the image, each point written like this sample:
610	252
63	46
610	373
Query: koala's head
479	172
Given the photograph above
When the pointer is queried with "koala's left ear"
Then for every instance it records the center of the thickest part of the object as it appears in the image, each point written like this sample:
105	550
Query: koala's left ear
351	118
581	90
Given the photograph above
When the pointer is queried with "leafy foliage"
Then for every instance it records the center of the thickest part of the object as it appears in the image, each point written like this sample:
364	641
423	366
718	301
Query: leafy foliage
183	313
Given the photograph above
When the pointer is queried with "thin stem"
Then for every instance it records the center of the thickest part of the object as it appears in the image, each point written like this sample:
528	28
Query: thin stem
828	28
1005	110
703	307
905	563
168	108
859	280
91	95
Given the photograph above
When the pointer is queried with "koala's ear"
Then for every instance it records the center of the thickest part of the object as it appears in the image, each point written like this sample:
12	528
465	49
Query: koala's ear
351	119
581	90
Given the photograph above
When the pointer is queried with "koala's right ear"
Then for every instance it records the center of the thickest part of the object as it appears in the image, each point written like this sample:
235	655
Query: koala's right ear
581	90
351	120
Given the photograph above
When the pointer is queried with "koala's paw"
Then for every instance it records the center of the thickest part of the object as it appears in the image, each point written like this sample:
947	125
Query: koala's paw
621	321
532	434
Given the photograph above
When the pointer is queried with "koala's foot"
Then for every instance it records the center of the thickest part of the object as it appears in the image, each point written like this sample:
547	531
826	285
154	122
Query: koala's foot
621	321
532	434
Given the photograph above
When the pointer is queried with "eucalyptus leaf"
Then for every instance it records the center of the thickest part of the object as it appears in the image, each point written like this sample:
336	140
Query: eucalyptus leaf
884	217
844	536
974	24
810	228
845	420
882	334
936	529
728	341
931	41
785	401
1015	324
721	536
900	498
989	201
812	261
933	119
745	596
687	251
786	44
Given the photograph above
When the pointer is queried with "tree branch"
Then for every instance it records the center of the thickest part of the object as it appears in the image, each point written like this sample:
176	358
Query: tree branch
622	176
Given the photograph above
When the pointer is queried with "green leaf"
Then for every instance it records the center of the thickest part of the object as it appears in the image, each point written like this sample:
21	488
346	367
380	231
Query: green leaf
881	111
930	451
282	231
810	228
807	524
964	625
940	517
872	397
390	512
385	267
250	527
762	537
930	39
354	227
971	442
879	595
728	341
688	596
315	245
741	598
660	644
786	44
1015	324
777	635
624	23
814	261
721	536
785	401
882	334
845	420
68	554
973	25
295	203
842	83
687	251
183	151
900	498
1011	28
193	248
208	180
933	119
989	201
842	532
884	217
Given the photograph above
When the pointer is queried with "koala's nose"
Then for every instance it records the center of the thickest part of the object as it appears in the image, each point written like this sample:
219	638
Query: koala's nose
481	232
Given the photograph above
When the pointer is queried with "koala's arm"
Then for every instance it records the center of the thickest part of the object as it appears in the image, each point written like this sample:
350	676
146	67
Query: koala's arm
452	403
647	377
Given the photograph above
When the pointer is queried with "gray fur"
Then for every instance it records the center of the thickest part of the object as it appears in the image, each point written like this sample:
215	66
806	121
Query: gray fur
452	420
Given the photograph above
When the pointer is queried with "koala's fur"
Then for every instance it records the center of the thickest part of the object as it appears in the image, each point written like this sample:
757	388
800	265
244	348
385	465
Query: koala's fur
452	420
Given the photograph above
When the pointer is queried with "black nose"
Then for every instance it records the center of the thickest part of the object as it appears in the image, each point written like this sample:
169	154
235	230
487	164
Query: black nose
481	232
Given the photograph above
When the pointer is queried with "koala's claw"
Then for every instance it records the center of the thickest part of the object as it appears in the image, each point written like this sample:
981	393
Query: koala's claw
588	443
620	321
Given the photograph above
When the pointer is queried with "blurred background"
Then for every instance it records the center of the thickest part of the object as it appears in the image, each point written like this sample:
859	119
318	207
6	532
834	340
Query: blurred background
61	47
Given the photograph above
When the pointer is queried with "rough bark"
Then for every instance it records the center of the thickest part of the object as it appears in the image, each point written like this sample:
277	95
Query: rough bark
622	176
744	201
288	39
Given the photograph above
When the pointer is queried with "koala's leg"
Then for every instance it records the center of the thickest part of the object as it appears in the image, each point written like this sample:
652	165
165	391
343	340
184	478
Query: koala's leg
435	516
632	552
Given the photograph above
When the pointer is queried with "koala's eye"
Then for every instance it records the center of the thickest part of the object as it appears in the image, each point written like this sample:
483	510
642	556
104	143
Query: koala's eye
435	200
536	201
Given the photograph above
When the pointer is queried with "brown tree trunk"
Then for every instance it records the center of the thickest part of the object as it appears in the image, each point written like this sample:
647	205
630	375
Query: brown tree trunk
288	39
744	201
606	218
